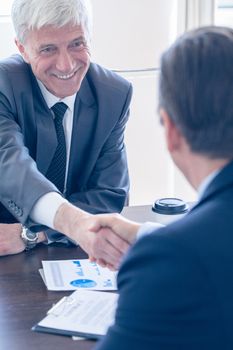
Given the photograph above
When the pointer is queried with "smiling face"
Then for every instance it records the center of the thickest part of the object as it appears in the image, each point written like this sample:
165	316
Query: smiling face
59	57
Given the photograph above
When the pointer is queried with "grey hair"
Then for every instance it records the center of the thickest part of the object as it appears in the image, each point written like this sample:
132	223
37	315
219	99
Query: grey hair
34	14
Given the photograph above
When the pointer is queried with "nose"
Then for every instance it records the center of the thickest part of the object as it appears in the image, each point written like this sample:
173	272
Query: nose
64	62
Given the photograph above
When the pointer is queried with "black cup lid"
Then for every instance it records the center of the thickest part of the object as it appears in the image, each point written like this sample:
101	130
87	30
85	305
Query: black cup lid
170	206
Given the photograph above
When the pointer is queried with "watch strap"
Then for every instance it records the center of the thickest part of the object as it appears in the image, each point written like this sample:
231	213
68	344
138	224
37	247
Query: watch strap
29	238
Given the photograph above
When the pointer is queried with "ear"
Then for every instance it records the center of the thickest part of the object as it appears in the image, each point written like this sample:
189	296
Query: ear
172	133
22	50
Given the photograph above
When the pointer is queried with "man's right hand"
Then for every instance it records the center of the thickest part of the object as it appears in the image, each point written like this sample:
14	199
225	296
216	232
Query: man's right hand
105	246
122	227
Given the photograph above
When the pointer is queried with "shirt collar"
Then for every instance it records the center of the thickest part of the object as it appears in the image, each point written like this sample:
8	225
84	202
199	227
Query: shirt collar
50	99
205	183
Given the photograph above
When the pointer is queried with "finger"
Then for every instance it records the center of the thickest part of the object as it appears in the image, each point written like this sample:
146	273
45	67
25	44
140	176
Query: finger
104	264
107	258
92	259
117	242
101	221
95	227
110	255
111	267
106	254
107	247
101	262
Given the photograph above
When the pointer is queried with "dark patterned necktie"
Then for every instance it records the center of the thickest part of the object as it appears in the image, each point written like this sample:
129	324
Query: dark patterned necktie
57	169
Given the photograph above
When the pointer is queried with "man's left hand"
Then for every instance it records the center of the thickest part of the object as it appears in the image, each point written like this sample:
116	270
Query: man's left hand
10	240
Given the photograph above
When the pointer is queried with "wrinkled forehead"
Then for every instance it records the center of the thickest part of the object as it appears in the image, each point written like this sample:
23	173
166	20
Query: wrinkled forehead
55	34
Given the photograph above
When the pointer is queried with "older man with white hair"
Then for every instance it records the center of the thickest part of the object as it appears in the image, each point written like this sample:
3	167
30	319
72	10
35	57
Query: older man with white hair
62	121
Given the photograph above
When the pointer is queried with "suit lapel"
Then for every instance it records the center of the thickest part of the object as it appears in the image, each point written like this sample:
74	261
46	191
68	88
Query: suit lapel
46	140
83	130
46	133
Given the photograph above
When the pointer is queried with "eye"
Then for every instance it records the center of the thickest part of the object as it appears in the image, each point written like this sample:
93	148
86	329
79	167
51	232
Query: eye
78	44
47	50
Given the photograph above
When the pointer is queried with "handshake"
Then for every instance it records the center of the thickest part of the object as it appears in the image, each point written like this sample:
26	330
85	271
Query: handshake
104	237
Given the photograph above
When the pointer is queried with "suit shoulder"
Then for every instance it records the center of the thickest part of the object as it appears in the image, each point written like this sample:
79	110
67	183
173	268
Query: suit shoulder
100	76
12	71
14	64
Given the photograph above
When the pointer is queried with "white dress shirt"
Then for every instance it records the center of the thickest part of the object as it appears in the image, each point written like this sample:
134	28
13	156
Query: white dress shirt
46	207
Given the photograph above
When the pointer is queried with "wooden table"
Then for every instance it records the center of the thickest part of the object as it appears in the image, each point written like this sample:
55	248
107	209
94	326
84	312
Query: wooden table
24	299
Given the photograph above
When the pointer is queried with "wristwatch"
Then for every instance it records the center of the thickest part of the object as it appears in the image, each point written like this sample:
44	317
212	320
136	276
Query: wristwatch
29	238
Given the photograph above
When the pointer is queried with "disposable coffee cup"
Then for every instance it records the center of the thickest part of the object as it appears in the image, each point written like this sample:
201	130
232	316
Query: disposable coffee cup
169	209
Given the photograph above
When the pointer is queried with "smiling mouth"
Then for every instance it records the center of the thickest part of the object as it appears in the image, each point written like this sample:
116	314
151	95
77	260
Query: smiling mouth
65	76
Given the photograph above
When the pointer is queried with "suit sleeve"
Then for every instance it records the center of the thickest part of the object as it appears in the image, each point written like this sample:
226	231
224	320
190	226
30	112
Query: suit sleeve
19	172
108	186
165	297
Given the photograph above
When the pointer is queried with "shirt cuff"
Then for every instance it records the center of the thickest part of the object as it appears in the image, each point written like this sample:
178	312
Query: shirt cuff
45	209
148	228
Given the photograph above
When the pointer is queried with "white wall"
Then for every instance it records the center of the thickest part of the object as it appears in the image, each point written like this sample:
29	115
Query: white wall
131	35
7	45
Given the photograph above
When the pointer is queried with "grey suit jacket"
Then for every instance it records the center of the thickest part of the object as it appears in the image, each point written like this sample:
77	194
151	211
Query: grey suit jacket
97	175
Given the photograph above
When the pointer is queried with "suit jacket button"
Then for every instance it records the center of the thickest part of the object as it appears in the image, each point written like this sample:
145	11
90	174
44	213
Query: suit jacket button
11	204
20	212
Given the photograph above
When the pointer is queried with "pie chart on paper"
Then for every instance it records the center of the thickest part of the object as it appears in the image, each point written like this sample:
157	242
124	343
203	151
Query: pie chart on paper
83	283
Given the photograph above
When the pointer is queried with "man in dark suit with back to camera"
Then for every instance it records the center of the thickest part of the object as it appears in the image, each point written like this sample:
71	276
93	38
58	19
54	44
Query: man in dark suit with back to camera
62	121
176	283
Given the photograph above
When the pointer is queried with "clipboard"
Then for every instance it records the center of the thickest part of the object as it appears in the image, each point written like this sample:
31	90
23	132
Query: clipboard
84	313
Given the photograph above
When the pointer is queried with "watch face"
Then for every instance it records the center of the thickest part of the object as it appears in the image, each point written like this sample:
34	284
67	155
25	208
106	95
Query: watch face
31	236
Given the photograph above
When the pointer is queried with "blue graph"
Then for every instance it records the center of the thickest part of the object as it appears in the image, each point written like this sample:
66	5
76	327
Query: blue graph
83	283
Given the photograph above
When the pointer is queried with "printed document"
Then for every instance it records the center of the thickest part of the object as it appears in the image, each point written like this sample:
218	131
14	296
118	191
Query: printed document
77	274
84	313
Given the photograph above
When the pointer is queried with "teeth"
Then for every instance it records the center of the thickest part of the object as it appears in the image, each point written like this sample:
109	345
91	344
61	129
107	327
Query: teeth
64	77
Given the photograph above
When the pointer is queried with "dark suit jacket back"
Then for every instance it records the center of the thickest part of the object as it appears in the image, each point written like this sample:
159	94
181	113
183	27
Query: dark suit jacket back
176	284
